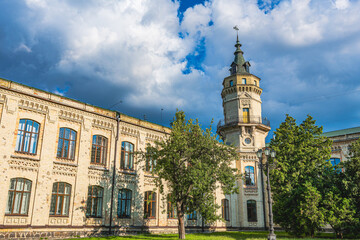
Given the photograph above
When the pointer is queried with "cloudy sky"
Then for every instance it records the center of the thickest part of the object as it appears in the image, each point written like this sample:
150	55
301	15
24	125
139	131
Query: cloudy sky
141	56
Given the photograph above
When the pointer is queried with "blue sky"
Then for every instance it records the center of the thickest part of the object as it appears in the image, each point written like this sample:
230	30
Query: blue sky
150	55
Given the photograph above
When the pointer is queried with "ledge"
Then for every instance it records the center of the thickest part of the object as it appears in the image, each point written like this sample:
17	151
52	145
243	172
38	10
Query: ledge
25	157
67	164
98	168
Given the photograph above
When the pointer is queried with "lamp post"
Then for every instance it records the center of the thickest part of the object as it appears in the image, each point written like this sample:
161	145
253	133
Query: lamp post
268	153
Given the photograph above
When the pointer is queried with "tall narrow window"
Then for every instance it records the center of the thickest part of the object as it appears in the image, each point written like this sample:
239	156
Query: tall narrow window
251	211
67	143
246	117
243	81
27	137
171	209
192	216
225	209
19	197
150	205
60	199
249	176
99	150
150	163
94	201
127	156
231	83
255	82
124	203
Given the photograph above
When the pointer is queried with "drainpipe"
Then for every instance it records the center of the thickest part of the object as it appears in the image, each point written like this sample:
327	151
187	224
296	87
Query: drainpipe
114	170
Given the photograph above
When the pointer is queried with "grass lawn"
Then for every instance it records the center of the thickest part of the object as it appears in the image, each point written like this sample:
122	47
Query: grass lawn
216	236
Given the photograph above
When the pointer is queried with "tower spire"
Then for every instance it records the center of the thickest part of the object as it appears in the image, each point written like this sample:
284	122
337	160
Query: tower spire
239	65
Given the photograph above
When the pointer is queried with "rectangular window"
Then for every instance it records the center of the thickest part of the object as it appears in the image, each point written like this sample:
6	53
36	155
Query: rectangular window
171	209
192	216
124	203
246	117
251	211
150	205
225	209
127	156
99	150
243	81
231	83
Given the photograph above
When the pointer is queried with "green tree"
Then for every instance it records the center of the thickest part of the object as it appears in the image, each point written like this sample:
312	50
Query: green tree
296	181
191	164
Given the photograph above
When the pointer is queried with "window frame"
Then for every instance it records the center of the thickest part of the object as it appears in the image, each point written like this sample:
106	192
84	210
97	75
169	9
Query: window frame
93	200
192	216
128	202
171	209
150	205
15	191
231	83
63	195
246	115
70	141
23	137
243	81
130	156
225	209
248	177
251	210
103	150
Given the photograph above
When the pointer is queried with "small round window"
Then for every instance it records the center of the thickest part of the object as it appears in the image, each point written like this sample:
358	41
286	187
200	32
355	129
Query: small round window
247	140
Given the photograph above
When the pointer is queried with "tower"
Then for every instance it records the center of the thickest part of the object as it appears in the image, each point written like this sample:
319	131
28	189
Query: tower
245	128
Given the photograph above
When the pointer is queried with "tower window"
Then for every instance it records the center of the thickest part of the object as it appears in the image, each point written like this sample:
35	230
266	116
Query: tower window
231	83
255	83
249	176
246	117
243	81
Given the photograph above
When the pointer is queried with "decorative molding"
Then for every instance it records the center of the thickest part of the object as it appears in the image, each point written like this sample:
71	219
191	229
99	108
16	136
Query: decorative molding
58	221
2	98
33	106
24	163
149	181
130	131
71	116
65	169
126	178
15	220
98	174
153	137
251	191
102	124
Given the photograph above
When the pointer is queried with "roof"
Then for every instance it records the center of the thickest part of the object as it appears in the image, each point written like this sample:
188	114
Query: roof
342	132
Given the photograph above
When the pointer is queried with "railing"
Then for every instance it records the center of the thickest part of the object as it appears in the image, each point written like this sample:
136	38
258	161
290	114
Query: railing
235	120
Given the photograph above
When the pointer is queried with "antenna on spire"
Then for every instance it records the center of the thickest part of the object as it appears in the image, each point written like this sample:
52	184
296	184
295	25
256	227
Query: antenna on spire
237	32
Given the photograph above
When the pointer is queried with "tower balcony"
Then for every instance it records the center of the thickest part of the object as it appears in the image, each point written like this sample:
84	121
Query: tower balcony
236	121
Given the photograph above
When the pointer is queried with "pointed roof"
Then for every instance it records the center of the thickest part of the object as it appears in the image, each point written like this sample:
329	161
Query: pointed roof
239	65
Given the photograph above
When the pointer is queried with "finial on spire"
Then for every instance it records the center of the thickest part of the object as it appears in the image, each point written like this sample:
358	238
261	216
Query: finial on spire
237	33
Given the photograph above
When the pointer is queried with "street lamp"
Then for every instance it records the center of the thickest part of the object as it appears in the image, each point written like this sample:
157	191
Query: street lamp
268	153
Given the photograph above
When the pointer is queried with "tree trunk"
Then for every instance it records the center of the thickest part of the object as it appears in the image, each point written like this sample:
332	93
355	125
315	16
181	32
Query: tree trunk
181	223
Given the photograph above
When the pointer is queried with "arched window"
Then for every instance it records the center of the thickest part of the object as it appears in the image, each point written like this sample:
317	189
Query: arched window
94	201
67	143
150	205
19	197
127	156
171	209
231	83
192	216
124	203
251	211
27	137
60	199
249	176
225	209
99	150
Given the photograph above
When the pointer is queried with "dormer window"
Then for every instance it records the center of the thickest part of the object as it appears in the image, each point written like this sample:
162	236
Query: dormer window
243	81
231	83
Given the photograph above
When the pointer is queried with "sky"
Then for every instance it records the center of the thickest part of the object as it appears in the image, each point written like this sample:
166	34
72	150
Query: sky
147	58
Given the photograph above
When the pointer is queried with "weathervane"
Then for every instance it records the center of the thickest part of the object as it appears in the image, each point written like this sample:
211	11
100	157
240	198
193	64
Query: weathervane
237	31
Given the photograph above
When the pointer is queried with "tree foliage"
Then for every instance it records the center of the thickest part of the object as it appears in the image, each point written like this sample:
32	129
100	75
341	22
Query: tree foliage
296	181
190	165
